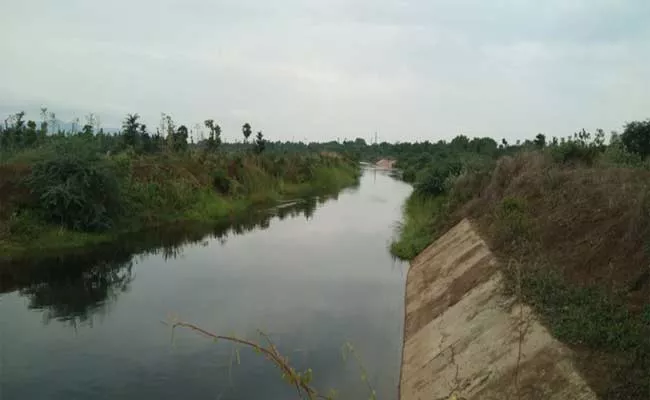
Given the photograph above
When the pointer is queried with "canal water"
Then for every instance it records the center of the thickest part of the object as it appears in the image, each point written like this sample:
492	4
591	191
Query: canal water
313	276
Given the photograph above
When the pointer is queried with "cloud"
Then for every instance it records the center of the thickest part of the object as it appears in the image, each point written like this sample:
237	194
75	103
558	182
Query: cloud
322	70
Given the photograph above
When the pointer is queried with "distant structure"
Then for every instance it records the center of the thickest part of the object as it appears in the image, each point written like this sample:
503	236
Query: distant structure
385	163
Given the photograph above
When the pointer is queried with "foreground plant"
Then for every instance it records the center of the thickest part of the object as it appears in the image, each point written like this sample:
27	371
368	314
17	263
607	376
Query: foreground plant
300	380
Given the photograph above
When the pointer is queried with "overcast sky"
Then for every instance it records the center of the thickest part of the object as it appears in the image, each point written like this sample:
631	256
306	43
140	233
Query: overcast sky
321	70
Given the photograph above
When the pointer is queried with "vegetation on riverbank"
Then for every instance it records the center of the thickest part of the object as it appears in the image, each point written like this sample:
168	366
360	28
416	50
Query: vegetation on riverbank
570	222
76	189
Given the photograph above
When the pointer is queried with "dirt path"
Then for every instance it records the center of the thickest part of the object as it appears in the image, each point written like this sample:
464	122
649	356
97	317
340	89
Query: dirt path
464	338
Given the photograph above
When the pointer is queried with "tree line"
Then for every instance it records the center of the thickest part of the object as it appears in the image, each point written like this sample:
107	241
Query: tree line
17	134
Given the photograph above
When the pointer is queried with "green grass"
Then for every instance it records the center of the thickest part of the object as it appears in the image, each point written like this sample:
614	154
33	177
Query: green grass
421	214
173	201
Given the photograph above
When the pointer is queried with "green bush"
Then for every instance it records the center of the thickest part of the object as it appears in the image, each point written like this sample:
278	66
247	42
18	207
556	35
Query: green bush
409	174
435	182
221	182
512	222
636	137
23	223
80	193
574	151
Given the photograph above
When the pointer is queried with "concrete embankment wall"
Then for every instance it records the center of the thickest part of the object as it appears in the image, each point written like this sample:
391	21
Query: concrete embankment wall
463	339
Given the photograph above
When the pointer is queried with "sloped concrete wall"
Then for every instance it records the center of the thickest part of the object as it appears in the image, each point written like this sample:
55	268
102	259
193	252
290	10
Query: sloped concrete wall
464	339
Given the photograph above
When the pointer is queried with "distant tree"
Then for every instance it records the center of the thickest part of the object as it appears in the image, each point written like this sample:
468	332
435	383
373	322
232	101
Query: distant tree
484	145
540	140
130	130
93	120
260	143
214	140
599	138
17	129
504	143
87	130
18	121
148	145
636	137
247	131
179	141
31	135
460	142
54	123
43	131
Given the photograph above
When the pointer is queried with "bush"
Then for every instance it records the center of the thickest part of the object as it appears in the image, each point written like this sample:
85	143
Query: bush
617	154
80	193
435	181
23	223
409	174
221	182
636	137
574	151
512	223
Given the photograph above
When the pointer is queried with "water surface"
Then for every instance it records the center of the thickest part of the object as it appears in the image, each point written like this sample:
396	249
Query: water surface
313	276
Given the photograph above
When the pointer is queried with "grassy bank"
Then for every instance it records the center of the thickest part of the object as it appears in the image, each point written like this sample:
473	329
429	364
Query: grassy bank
572	221
74	198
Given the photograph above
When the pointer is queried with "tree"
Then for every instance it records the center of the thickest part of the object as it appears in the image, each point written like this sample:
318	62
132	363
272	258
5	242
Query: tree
260	143
43	131
31	136
214	140
636	137
130	130
179	141
93	120
54	123
540	140
16	129
87	130
148	145
247	131
75	125
460	142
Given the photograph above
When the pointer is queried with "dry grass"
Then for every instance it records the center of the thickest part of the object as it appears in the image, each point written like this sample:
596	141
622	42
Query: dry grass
583	235
592	222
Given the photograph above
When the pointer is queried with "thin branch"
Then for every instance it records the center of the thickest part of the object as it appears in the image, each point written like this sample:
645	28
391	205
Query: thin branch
271	353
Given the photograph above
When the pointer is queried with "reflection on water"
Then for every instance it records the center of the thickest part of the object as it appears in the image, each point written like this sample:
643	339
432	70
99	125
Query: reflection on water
74	288
313	275
75	298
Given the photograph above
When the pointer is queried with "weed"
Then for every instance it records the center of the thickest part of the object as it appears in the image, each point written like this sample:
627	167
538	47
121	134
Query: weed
76	192
423	217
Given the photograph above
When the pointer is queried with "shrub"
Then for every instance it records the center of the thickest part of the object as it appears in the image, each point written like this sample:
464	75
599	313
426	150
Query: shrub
221	181
575	151
80	193
408	175
617	154
23	223
636	137
435	182
512	223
